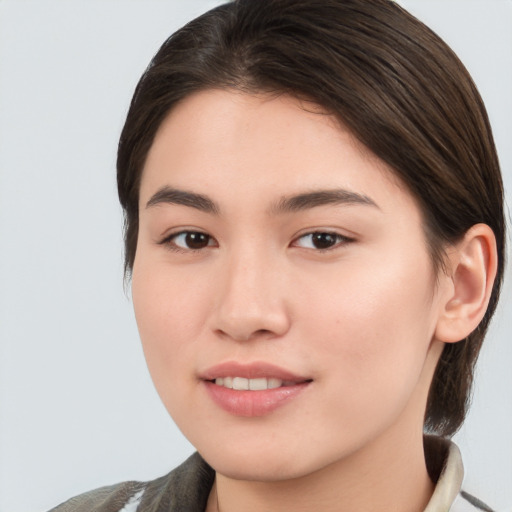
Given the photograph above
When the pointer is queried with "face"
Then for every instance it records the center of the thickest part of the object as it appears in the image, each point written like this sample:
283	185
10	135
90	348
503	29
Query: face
282	286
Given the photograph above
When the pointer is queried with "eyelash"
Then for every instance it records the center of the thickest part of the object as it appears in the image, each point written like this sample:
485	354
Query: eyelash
339	240
169	241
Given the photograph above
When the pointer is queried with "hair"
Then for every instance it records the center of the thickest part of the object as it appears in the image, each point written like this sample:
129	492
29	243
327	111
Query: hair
392	82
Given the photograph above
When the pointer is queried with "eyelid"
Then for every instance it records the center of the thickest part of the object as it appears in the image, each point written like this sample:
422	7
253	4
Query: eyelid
170	236
342	239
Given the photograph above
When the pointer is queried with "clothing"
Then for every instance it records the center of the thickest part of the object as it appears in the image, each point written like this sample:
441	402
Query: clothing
186	488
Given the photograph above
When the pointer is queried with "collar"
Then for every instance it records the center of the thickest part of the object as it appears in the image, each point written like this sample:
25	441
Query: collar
190	484
449	480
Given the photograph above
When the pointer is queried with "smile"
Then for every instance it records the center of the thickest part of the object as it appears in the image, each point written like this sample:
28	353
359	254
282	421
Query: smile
244	384
254	389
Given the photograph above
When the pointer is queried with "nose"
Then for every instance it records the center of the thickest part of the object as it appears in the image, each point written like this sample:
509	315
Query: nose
251	302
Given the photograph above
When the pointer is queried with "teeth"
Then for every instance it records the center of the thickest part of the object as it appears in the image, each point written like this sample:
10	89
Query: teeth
240	383
258	384
243	384
274	383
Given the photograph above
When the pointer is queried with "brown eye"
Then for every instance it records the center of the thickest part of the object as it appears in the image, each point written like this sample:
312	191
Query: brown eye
323	240
196	240
320	240
191	240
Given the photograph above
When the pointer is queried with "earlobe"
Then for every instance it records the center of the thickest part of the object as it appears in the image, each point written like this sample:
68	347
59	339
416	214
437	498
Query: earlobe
472	265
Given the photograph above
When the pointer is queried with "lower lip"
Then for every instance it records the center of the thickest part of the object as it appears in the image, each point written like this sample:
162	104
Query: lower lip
253	403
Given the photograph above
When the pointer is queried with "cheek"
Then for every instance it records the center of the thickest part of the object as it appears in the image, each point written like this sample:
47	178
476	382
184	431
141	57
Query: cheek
372	330
170	315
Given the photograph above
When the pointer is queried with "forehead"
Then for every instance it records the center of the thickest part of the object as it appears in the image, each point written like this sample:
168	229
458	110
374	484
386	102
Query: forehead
222	141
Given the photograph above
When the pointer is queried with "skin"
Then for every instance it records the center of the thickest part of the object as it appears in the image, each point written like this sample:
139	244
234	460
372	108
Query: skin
363	319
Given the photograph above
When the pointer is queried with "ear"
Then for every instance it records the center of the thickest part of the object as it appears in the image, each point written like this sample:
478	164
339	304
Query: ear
470	274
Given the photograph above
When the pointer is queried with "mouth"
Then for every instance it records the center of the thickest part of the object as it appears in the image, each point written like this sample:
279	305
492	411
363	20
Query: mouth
252	390
258	384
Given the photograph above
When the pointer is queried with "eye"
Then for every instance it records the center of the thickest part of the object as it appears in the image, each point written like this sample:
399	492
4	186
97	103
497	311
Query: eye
189	240
321	240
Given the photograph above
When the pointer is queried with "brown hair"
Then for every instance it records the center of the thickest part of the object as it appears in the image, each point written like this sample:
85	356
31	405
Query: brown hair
394	84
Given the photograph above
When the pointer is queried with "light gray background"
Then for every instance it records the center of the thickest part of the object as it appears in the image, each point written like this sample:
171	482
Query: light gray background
78	409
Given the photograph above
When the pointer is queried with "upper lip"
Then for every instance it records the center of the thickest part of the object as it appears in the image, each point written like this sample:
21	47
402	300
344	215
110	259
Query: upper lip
254	370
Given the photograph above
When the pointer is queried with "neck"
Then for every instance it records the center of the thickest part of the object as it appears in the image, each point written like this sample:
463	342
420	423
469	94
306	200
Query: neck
376	478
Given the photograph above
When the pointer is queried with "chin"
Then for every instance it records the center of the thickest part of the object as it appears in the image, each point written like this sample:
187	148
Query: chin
265	464
248	469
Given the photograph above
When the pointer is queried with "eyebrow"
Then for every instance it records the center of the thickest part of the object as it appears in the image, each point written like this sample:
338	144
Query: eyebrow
322	198
295	203
169	195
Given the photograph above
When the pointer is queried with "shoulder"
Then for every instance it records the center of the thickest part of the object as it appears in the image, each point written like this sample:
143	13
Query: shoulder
184	489
106	499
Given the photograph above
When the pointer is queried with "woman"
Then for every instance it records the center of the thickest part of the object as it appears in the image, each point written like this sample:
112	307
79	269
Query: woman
315	237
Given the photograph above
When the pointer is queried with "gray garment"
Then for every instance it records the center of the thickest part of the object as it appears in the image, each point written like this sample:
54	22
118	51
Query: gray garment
186	489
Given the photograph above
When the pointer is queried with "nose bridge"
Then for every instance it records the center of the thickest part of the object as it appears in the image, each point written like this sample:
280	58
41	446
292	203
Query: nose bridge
252	296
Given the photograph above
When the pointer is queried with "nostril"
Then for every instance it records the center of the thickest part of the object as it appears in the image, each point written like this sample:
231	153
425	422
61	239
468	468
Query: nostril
241	336
251	321
261	332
